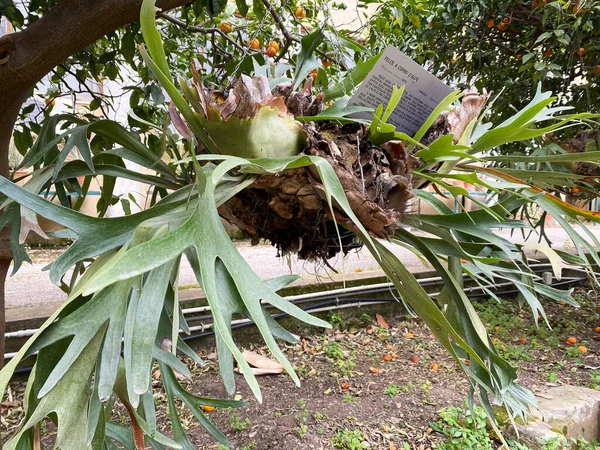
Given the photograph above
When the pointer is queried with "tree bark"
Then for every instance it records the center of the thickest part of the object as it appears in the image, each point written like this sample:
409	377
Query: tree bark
8	116
27	56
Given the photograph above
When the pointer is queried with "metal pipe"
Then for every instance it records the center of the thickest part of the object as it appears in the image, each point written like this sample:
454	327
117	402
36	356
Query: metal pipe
335	304
422	281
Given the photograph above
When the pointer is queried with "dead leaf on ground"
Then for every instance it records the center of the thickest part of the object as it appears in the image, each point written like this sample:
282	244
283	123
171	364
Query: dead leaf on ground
6	405
381	321
263	364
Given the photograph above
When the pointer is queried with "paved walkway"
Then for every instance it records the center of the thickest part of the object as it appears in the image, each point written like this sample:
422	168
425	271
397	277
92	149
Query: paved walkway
31	286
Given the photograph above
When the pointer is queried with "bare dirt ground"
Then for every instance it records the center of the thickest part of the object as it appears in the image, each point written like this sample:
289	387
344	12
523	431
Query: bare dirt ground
352	397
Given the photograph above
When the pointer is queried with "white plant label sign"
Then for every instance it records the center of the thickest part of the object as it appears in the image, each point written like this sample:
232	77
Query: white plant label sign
422	94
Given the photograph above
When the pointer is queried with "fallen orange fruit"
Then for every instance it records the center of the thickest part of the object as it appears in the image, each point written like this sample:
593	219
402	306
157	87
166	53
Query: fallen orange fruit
207	408
434	366
572	340
373	369
387	357
582	349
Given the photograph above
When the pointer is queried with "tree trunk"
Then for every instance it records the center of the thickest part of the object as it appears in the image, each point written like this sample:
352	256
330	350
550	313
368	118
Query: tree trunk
27	56
4	265
7	120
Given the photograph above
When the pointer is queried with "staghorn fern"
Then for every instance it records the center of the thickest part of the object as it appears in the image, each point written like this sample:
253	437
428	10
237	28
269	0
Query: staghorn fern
128	294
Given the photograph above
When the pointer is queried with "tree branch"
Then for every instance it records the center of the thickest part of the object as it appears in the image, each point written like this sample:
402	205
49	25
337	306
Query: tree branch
280	24
94	95
196	29
65	29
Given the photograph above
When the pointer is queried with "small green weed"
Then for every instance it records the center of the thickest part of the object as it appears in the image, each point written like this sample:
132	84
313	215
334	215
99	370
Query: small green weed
570	444
320	416
464	431
348	440
595	379
302	418
348	398
517	353
334	351
392	390
335	319
344	363
552	377
237	424
426	388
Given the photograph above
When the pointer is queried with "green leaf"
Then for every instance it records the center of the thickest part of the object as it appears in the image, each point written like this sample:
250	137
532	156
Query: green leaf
77	138
441	107
9	10
128	47
356	76
106	307
192	119
145	327
152	37
338	111
23	140
381	132
78	168
258	8
242	7
443	149
12	216
306	60
69	401
120	434
495	376
336	38
115	132
555	178
521	125
47	140
95	235
592	157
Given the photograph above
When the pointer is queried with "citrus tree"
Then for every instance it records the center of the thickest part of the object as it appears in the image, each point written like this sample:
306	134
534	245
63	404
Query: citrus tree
506	45
280	140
